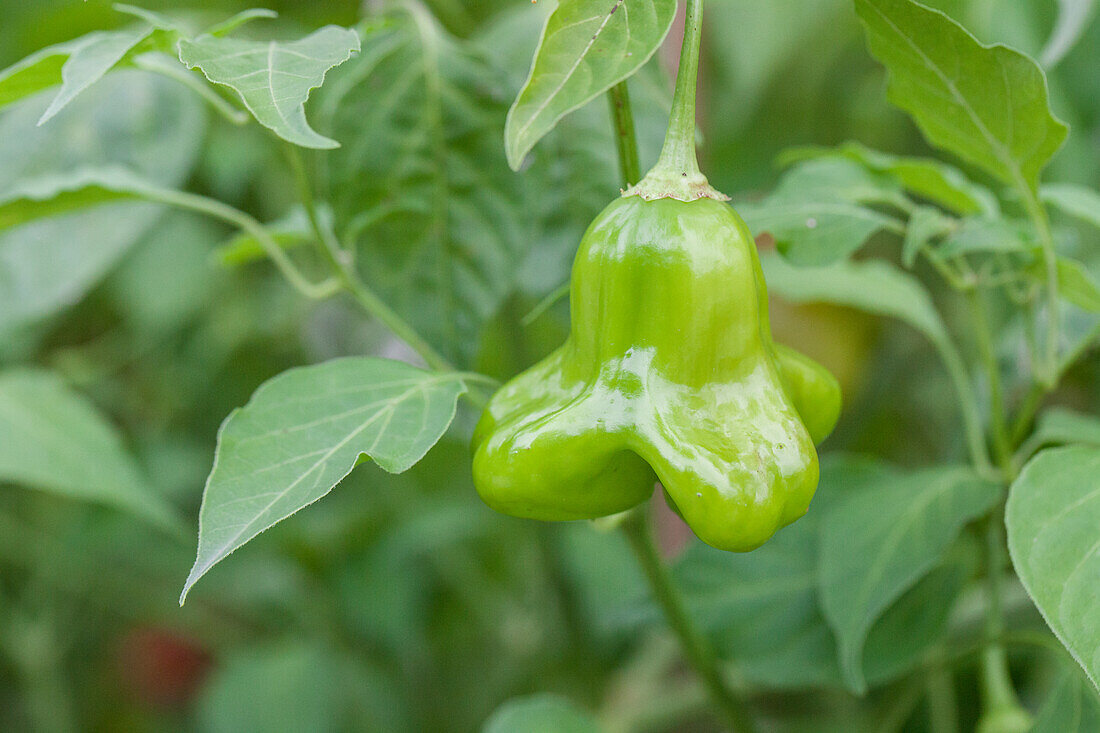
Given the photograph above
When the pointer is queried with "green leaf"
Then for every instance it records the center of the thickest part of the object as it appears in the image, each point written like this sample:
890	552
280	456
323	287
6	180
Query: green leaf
169	66
1073	18
421	189
925	224
987	104
540	714
1072	707
781	638
1077	285
1052	517
51	195
245	16
874	286
54	440
927	178
146	123
880	540
1059	426
816	213
76	65
978	234
274	79
304	431
1078	201
575	168
289	231
587	47
299	685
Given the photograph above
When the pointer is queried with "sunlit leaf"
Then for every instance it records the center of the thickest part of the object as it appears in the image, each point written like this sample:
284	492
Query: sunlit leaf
1052	517
987	104
53	439
304	431
587	46
274	79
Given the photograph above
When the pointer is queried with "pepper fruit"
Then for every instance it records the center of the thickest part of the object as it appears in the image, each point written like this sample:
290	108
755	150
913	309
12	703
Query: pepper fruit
670	374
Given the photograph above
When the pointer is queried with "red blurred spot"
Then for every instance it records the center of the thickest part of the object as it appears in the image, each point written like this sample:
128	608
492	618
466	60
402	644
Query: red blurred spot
161	668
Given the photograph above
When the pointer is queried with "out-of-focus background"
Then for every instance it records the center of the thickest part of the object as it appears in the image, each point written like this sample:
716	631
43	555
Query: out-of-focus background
399	603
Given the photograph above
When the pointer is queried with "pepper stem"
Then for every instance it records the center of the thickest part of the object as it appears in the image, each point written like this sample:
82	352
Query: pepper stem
677	173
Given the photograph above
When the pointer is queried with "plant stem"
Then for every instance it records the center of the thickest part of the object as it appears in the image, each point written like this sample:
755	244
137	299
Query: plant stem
678	153
968	404
997	689
677	173
943	706
1038	216
244	222
997	422
694	645
636	527
346	275
622	116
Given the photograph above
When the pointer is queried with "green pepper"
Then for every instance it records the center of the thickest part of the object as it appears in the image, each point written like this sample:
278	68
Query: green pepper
669	374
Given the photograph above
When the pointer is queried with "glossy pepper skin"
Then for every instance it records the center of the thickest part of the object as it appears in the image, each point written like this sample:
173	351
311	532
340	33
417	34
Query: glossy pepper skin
670	374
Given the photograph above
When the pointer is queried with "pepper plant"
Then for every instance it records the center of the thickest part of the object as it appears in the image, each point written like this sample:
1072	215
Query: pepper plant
362	238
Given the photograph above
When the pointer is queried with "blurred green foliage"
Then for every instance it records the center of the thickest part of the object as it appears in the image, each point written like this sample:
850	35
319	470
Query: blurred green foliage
400	603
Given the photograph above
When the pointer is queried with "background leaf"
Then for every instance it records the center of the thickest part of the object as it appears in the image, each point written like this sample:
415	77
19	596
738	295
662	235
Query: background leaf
75	65
52	439
1073	18
927	178
312	689
574	170
421	189
781	638
304	431
1077	285
977	234
1072	707
986	104
130	119
878	541
816	213
540	714
587	47
1078	201
925	224
874	286
1052	515
1058	426
274	79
